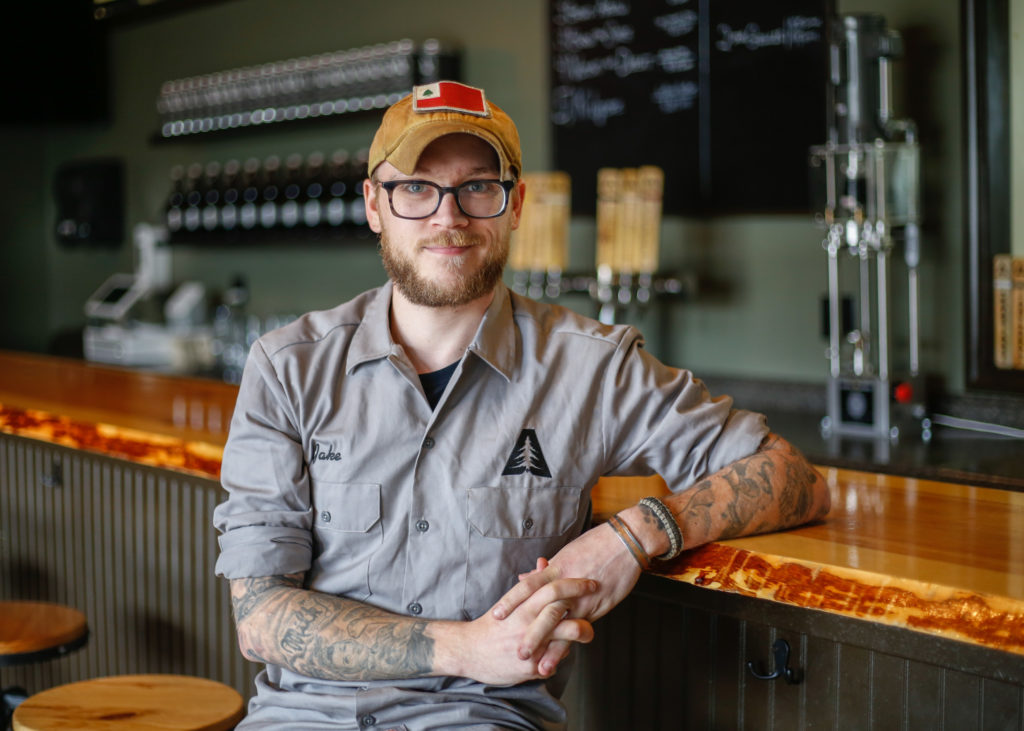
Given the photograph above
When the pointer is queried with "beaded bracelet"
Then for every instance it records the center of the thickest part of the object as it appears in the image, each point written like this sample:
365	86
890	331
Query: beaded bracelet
630	541
669	524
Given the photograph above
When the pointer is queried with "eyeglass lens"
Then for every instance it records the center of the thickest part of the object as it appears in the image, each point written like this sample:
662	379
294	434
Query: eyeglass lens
420	198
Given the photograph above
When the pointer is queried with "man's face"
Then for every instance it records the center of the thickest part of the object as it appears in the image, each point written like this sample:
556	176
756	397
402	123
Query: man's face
447	259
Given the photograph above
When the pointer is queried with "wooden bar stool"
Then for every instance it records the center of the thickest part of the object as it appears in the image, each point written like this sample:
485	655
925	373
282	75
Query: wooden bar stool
36	631
33	632
137	702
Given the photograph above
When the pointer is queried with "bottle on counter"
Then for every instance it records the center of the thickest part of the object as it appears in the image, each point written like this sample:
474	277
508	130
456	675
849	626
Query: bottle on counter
211	196
230	196
248	213
193	198
356	205
292	192
335	214
230	330
270	192
174	209
314	194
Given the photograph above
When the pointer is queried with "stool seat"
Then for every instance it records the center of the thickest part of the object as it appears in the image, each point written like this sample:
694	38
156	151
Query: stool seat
35	631
138	702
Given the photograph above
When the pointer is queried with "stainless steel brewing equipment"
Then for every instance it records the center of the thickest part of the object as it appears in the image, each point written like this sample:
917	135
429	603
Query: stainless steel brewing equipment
868	173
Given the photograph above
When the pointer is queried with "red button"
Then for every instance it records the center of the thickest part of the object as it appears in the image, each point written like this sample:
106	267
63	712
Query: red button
903	393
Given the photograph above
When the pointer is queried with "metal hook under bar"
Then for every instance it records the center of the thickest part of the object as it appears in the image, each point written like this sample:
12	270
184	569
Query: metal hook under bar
780	650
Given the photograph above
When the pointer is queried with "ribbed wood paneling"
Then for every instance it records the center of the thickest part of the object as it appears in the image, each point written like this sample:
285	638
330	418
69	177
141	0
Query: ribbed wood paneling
664	665
133	548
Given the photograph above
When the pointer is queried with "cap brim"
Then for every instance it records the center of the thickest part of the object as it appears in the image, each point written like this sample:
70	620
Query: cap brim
416	138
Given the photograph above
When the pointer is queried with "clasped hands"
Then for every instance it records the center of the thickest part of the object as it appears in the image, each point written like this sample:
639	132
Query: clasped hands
551	607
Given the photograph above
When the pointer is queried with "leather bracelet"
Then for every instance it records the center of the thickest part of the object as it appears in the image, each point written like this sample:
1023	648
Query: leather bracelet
630	541
668	524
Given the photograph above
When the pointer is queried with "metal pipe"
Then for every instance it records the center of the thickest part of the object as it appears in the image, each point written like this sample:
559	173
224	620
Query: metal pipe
883	312
833	244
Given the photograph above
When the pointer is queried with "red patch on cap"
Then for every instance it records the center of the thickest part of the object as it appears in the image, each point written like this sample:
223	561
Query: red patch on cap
450	96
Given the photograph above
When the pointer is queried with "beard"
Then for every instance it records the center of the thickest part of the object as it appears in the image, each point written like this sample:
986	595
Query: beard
467	283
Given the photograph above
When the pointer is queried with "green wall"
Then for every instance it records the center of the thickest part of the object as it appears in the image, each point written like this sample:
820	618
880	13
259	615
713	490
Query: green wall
763	322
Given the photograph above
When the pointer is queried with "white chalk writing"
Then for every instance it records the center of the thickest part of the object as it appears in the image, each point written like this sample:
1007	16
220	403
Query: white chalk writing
795	31
572	67
567	12
677	59
676	97
677	24
622	63
608	35
570	105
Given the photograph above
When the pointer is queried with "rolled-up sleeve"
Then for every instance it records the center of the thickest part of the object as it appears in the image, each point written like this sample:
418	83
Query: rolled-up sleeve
660	419
265	522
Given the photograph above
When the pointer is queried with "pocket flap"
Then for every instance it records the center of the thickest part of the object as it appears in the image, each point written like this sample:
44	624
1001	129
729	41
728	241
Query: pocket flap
353	507
523	512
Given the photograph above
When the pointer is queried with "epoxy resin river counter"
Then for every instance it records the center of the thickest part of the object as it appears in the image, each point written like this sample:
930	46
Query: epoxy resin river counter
931	557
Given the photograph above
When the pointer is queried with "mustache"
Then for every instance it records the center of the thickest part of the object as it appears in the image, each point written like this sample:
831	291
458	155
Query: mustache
459	239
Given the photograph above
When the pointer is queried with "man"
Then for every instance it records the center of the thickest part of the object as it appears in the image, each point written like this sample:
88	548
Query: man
407	529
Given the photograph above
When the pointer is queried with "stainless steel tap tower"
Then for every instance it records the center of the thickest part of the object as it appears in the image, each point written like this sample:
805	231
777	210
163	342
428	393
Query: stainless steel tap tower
868	171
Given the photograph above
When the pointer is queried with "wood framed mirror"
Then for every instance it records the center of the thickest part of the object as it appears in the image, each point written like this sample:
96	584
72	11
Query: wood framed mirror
988	166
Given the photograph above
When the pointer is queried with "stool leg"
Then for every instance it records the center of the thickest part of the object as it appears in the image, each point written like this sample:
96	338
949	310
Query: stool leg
12	698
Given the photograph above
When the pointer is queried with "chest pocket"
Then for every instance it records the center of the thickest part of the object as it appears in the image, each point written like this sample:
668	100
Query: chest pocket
347	530
523	512
510	527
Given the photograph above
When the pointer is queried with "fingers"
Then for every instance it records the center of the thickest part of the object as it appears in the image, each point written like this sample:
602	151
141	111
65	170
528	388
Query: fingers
555	602
527	586
542	563
534	639
541	629
556	651
553	652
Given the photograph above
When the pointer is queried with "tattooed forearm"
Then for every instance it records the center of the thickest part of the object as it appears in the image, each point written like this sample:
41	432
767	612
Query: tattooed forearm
773	488
325	636
246	594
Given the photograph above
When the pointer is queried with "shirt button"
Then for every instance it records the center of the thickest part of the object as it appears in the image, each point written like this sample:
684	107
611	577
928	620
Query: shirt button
428	442
415	608
528	523
422	526
325	516
368	720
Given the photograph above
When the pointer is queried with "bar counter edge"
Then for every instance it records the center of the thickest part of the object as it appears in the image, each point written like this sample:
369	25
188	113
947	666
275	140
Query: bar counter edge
165	422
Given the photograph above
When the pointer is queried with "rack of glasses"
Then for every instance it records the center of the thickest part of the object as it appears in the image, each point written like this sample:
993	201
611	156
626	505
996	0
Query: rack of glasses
309	87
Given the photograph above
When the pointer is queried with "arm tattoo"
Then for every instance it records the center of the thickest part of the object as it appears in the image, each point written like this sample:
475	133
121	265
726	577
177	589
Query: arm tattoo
247	593
771	489
650	519
324	636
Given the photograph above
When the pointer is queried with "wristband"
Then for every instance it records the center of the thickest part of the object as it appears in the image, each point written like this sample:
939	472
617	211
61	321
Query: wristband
668	524
630	541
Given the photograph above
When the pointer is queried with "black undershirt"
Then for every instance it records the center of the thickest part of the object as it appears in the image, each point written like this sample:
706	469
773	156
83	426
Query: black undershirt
435	382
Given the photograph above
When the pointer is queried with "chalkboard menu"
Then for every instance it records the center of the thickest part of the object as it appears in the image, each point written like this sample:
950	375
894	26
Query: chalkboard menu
725	95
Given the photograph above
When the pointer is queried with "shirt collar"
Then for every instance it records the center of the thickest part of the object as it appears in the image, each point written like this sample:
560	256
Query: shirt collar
372	339
495	339
494	342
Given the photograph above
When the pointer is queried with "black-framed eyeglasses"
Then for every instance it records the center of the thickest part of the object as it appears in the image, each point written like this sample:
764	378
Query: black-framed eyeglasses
415	199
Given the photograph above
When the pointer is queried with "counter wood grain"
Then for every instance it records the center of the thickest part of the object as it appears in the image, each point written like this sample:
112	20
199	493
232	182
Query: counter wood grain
933	557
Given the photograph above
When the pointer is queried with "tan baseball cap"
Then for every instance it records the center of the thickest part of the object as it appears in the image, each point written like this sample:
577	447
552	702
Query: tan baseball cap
438	109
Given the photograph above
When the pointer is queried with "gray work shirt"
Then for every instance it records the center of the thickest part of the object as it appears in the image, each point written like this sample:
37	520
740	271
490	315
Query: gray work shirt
336	466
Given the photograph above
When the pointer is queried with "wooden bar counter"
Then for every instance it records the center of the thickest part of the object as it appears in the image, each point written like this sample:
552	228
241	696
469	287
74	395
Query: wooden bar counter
915	560
929	556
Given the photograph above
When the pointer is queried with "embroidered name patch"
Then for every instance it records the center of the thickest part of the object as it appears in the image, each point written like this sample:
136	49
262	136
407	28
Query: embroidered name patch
323	452
449	96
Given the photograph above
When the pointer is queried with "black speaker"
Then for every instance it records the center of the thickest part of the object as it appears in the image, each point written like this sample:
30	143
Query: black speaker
56	64
90	202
